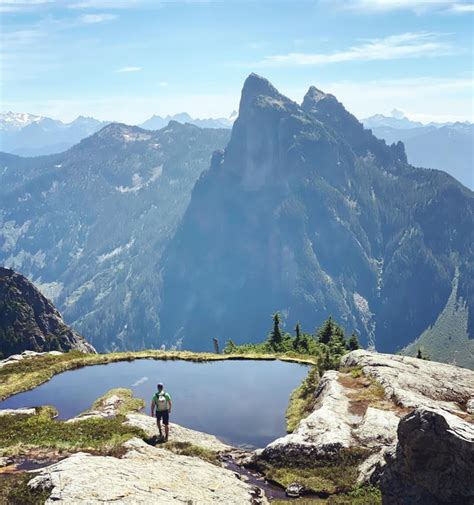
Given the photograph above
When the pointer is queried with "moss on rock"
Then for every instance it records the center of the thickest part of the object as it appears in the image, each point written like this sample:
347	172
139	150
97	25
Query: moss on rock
301	402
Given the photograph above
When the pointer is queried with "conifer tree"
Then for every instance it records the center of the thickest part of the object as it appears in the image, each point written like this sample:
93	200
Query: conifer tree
297	341
275	338
326	331
353	343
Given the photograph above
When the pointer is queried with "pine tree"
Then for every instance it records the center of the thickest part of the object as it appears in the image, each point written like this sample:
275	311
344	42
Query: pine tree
275	338
297	341
353	343
326	331
305	343
419	354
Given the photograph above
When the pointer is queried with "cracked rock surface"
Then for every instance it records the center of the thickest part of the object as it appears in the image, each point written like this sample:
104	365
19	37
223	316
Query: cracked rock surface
145	475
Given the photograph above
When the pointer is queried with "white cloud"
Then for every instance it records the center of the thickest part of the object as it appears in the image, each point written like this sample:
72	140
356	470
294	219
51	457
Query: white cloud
405	45
417	6
462	8
110	4
128	69
20	5
28	5
97	18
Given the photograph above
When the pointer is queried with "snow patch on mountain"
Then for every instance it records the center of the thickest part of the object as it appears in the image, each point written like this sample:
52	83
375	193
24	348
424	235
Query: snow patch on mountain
138	183
115	252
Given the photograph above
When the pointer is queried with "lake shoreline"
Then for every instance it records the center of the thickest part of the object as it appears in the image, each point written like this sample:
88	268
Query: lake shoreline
32	371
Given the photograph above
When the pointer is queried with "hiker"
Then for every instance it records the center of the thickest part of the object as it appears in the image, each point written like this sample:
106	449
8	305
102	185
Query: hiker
161	402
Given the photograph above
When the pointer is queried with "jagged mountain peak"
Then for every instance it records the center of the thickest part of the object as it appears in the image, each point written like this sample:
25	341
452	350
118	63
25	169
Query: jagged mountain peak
257	83
315	95
258	91
308	213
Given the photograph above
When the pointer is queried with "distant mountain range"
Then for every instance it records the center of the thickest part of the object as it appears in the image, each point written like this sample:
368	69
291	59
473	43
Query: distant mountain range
30	135
177	235
89	225
444	146
157	122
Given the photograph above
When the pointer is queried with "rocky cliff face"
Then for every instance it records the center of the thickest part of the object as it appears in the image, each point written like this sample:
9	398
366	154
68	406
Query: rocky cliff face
307	213
413	417
29	321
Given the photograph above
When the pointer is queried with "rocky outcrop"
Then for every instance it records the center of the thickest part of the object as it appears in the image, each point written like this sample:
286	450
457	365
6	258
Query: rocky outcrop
433	462
336	423
145	474
29	321
120	401
14	358
412	416
18	412
412	382
177	433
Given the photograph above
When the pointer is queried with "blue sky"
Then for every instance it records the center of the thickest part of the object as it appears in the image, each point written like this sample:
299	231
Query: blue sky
128	59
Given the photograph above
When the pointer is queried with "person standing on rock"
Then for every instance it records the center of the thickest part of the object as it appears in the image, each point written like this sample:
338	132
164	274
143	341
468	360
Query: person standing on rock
161	403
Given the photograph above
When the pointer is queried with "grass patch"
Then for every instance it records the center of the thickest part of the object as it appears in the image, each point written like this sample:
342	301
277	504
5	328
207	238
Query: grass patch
20	432
302	400
31	372
188	449
127	402
14	490
373	393
356	372
359	495
335	474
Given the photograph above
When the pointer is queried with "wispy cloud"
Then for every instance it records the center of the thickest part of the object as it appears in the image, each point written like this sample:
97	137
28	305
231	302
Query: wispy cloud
405	45
128	69
418	6
460	8
20	5
110	4
91	19
30	5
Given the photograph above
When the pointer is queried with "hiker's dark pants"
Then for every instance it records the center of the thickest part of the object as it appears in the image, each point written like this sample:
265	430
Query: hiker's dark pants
163	415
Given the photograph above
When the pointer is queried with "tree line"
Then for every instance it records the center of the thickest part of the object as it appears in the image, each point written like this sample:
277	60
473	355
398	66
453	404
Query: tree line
328	342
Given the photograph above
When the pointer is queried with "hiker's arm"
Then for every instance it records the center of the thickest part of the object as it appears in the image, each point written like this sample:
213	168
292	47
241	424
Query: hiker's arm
152	408
170	404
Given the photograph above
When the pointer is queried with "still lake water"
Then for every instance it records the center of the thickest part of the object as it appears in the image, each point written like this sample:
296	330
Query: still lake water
241	402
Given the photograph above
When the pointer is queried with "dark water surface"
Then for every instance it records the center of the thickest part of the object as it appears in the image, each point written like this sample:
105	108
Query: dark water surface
241	402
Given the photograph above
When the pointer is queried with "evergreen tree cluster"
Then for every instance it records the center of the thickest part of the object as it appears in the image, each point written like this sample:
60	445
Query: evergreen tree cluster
328	342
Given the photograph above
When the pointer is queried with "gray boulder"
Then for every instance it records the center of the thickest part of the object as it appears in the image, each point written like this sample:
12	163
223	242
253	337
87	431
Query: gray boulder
433	462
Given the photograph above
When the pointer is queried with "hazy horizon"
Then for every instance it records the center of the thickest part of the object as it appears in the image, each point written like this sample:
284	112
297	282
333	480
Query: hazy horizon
126	60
